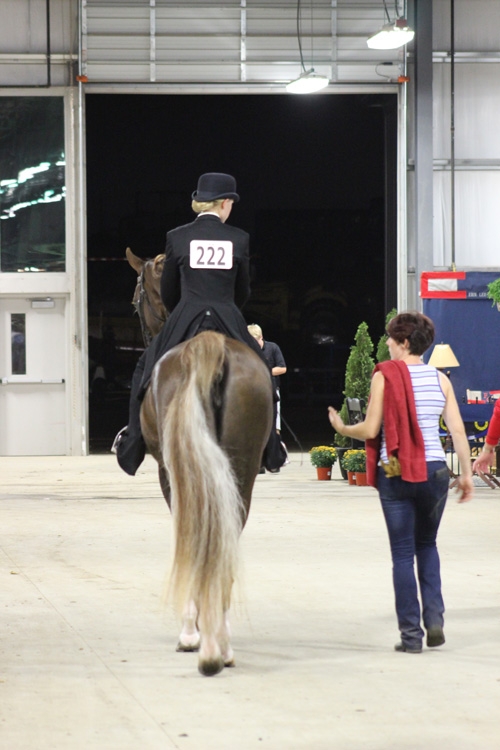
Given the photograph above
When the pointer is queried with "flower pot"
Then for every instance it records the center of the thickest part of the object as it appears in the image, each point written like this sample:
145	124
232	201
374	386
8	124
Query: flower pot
361	479
340	453
324	472
351	477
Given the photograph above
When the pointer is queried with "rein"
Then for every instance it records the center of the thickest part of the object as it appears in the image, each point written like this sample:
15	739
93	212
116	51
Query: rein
139	308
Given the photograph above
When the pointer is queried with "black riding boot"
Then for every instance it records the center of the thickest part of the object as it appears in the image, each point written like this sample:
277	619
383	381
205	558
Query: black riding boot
274	454
129	444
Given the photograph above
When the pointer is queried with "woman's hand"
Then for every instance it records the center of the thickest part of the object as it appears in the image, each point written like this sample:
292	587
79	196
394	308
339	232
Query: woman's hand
465	485
335	420
483	461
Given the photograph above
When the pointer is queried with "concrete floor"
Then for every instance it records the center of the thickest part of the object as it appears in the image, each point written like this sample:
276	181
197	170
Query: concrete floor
88	652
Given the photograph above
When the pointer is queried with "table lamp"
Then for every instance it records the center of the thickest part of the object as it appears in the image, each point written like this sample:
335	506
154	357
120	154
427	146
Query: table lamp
443	357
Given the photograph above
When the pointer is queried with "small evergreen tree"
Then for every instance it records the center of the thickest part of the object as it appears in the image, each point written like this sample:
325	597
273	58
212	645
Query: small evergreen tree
382	348
358	375
359	368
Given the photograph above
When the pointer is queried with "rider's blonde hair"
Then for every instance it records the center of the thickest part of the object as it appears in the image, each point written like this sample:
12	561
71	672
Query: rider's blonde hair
200	207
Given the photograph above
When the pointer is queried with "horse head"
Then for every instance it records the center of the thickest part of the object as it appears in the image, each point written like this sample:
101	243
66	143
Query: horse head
147	299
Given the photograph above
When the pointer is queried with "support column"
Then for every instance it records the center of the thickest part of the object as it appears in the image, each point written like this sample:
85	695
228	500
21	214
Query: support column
424	256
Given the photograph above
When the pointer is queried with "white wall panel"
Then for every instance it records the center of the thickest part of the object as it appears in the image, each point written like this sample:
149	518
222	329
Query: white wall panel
24	44
476	220
23	25
477	24
477	111
476	104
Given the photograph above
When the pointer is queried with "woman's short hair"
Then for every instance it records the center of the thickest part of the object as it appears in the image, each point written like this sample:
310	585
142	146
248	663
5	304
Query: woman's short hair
414	326
200	207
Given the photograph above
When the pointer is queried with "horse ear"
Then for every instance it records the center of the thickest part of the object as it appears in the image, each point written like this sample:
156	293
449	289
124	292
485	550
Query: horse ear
136	262
158	265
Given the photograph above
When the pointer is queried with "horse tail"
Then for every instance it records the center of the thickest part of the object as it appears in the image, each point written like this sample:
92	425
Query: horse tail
206	504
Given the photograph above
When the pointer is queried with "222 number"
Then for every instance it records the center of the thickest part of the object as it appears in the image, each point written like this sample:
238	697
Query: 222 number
209	254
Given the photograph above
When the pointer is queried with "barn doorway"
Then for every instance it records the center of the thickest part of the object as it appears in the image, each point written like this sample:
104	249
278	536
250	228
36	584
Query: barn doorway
317	179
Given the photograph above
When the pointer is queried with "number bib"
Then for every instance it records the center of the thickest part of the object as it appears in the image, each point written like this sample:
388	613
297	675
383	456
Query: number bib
215	254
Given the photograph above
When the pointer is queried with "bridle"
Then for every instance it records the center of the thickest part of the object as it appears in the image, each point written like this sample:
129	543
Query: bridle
143	299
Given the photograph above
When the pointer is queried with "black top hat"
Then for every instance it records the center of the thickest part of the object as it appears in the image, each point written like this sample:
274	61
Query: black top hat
215	185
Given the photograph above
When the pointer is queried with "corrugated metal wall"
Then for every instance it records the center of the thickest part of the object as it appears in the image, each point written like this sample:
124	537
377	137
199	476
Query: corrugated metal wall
38	42
232	41
465	192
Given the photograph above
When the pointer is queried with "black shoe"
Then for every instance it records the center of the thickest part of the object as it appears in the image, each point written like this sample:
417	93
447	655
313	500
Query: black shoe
435	636
274	471
408	649
262	470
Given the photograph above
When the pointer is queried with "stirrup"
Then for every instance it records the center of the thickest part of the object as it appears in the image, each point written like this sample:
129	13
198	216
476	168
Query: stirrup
287	460
118	438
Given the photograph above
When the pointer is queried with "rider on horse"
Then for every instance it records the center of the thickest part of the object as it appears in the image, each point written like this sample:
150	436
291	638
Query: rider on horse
205	281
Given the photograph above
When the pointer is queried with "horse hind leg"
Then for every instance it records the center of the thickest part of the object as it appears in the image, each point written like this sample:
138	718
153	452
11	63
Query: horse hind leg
225	642
215	650
189	638
210	660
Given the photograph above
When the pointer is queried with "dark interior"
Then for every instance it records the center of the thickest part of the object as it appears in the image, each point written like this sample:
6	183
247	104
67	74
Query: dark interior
316	176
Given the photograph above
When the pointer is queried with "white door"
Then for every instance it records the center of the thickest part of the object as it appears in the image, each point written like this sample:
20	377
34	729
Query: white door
32	377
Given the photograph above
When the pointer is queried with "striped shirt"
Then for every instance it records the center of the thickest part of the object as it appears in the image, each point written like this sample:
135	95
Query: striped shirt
429	404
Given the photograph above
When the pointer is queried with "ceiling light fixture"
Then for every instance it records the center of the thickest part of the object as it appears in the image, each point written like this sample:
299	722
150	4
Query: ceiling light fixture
309	81
393	35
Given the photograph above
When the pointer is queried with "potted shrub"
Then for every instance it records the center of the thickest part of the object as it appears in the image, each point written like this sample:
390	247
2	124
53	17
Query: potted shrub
354	462
322	458
358	375
494	292
382	348
359	368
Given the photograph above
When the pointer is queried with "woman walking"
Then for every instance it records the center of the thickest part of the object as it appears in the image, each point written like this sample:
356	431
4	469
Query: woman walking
406	463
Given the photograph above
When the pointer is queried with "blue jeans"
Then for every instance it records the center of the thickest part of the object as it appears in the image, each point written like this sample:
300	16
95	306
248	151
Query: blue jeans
413	512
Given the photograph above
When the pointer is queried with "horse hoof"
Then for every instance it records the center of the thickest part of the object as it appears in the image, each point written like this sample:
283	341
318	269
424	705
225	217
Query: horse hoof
188	647
211	668
228	656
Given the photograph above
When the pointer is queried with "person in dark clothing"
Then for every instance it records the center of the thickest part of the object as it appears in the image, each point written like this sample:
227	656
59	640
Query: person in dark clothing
273	355
277	365
204	283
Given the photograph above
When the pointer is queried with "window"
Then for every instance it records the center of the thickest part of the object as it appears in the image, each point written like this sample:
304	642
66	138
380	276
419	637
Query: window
32	189
18	343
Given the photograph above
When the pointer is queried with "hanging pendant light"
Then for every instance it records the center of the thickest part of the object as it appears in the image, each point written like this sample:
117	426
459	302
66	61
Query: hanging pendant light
392	35
309	81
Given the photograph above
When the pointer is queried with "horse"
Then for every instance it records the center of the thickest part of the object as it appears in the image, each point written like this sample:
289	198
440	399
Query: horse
148	305
206	417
